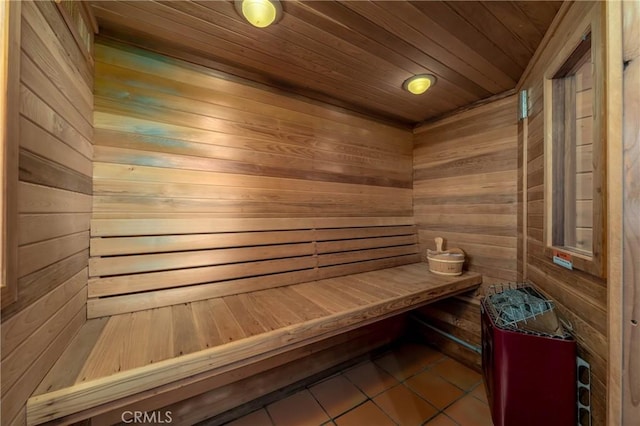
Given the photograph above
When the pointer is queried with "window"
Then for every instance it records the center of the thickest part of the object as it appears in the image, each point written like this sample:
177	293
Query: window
575	176
573	154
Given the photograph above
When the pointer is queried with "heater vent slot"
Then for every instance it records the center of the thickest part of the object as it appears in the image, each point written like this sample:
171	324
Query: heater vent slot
584	392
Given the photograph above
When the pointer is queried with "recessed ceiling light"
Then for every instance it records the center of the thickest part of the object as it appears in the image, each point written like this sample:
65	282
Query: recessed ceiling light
418	84
259	13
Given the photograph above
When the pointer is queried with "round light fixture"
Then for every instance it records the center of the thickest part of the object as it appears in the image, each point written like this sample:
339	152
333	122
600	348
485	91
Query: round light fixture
418	84
259	13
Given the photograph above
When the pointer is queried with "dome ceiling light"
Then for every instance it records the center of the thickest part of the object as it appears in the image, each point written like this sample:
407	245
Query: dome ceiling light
259	13
418	84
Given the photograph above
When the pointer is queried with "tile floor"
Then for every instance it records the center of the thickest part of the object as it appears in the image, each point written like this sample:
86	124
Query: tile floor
409	385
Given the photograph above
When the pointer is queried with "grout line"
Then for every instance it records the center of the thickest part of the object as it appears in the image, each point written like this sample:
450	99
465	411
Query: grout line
331	419
273	422
384	411
443	414
438	410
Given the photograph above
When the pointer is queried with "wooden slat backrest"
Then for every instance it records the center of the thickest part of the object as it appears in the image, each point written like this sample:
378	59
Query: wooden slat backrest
131	227
141	264
130	264
345	251
173	243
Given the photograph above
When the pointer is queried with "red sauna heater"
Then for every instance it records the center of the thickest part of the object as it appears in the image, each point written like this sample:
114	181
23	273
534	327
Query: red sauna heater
528	360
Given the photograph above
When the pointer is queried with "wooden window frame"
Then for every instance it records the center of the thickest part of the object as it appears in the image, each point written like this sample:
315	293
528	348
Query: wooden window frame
595	262
9	124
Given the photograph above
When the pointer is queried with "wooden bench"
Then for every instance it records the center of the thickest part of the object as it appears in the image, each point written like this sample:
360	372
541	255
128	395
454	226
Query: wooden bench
204	298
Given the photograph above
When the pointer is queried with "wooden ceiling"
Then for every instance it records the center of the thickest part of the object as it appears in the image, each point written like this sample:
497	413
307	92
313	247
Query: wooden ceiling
353	54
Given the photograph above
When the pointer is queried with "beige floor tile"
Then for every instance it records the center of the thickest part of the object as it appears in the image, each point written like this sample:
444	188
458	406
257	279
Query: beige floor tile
441	420
434	389
370	378
367	414
469	411
257	418
408	360
297	410
405	407
458	374
337	395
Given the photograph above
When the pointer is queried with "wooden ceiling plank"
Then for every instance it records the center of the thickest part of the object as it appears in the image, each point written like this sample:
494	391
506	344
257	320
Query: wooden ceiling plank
279	51
517	22
324	23
343	13
468	34
194	38
453	92
504	41
343	66
451	45
372	92
319	30
351	55
425	45
388	69
154	26
289	44
294	30
243	81
540	13
309	16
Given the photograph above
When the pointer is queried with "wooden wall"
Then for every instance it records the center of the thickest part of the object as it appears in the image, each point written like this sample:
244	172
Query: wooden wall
178	140
54	203
631	235
181	142
465	170
458	316
465	186
580	298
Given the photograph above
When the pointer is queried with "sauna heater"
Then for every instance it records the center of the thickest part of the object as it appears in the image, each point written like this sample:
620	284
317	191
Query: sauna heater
528	359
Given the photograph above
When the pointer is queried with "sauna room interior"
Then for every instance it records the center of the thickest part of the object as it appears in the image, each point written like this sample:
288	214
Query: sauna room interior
203	216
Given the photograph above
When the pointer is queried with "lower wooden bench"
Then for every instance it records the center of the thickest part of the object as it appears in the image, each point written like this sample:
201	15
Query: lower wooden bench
117	360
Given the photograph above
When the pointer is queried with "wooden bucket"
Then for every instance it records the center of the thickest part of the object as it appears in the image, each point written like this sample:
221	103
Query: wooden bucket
447	262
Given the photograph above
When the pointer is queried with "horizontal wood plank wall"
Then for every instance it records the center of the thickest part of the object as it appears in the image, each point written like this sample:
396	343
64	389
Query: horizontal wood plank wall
465	191
581	298
465	186
180	142
459	316
54	204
